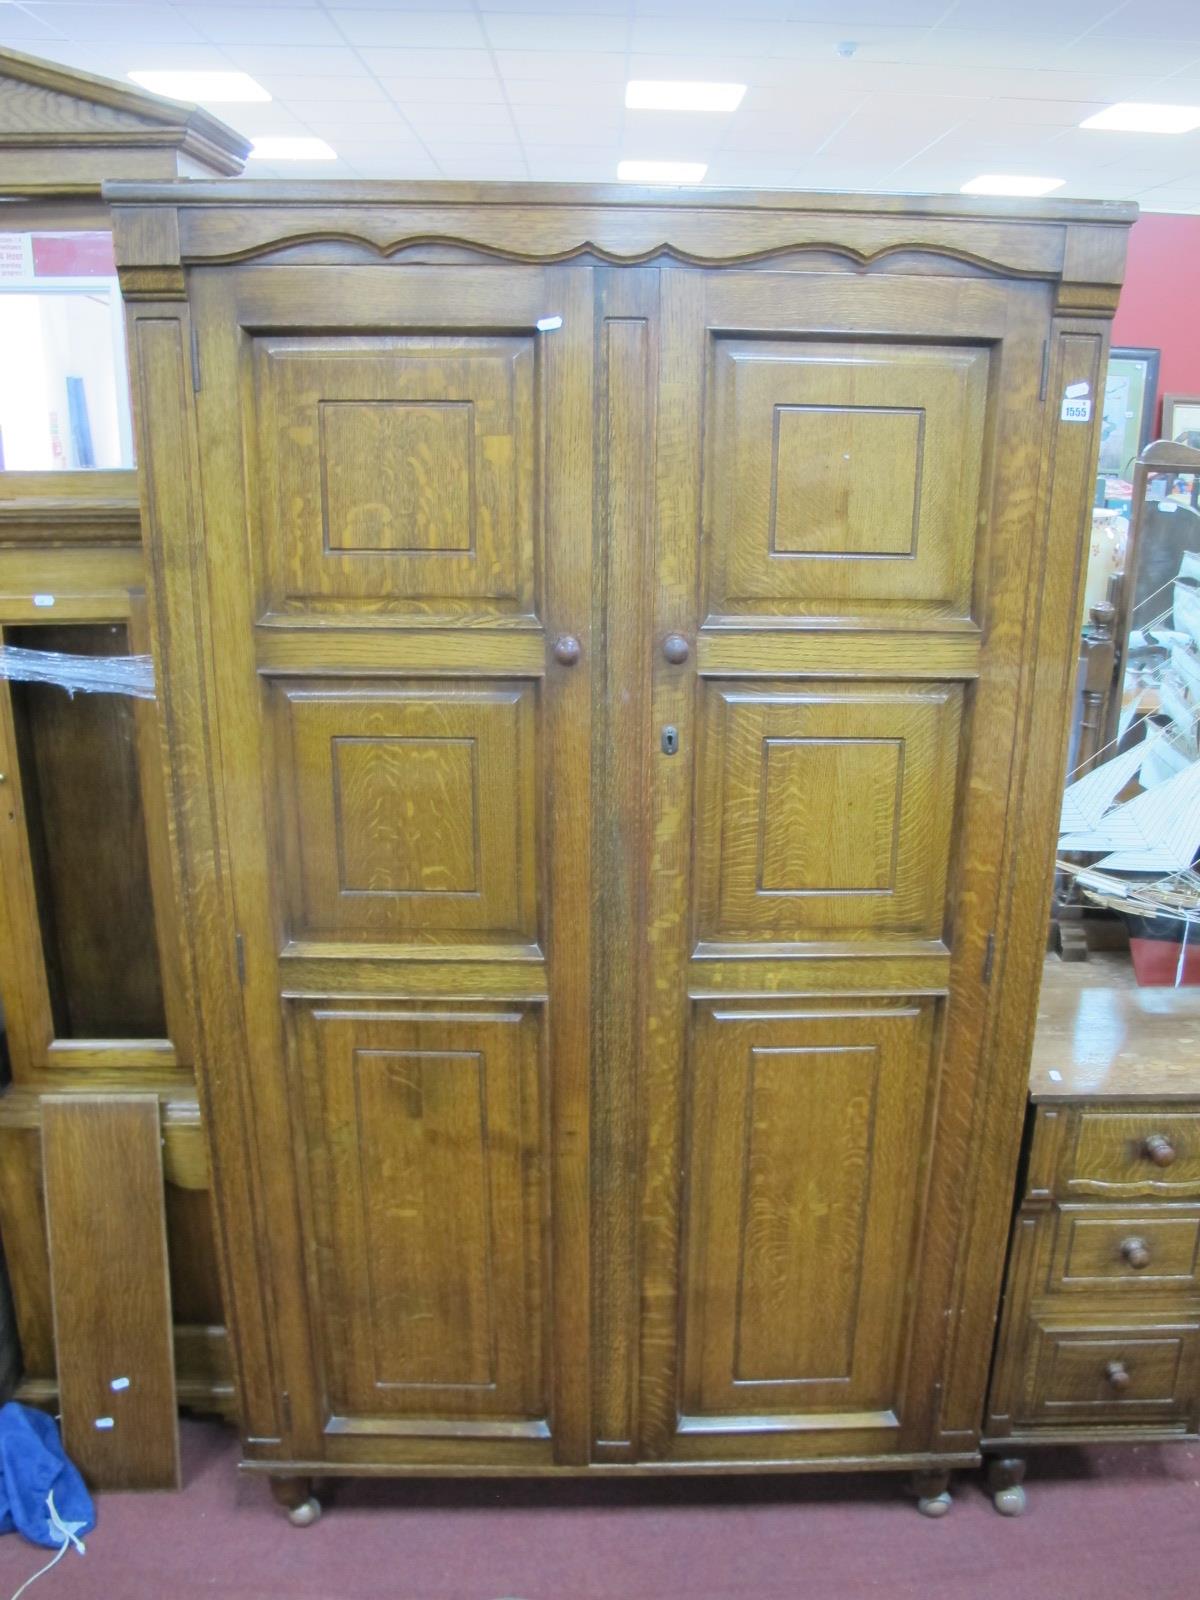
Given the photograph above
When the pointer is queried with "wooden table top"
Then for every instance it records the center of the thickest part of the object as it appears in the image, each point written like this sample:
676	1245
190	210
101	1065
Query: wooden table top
1098	1033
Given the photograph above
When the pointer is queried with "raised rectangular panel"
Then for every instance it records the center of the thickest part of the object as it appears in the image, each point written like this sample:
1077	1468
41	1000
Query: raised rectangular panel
398	474
805	1145
843	477
408	810
427	1185
825	808
823	503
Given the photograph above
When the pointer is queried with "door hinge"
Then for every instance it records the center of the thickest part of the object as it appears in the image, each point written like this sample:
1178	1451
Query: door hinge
989	956
239	945
1044	382
195	360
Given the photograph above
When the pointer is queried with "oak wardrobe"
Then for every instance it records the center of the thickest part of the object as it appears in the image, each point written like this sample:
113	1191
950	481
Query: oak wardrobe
614	653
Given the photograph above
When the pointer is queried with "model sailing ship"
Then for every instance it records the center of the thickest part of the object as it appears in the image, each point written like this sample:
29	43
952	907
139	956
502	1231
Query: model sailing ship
1130	828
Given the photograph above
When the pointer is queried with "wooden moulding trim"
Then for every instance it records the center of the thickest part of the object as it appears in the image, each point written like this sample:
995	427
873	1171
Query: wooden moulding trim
20	1105
153	119
1080	252
550	196
670	1467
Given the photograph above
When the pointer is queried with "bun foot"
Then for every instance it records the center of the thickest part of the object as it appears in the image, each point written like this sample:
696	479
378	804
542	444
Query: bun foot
933	1493
1005	1475
1009	1502
296	1497
305	1514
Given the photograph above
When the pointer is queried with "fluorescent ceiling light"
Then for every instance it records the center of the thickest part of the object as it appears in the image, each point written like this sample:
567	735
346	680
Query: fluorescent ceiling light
1135	116
652	94
1008	183
662	171
280	149
216	88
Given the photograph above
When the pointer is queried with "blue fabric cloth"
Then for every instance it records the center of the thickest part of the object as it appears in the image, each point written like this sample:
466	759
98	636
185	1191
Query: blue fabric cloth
32	1463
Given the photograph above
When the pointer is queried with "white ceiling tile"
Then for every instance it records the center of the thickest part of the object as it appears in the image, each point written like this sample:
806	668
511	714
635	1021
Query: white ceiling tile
570	127
27	25
116	60
298	60
574	93
351	88
727	173
261	118
537	31
817	42
445	91
1014	112
720	68
1066	18
484	168
801	131
752	10
609	66
386	62
460	121
705	35
967	47
849	13
1168	19
608	8
388	149
261	24
413	30
117	24
1154	59
935	91
335	7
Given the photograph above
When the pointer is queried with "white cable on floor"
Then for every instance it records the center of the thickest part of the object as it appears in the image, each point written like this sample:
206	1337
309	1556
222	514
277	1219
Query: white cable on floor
70	1536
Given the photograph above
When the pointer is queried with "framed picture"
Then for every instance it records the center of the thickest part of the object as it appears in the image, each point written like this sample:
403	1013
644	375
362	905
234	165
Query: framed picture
1127	414
1181	418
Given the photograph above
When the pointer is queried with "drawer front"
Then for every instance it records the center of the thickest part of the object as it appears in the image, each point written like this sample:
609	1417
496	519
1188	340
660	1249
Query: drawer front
1133	1152
1110	1375
1130	1248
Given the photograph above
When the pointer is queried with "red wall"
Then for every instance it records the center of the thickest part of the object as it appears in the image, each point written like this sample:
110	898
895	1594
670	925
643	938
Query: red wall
1160	303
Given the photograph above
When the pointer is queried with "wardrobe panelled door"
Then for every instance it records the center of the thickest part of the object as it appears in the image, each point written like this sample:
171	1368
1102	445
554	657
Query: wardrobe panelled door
614	660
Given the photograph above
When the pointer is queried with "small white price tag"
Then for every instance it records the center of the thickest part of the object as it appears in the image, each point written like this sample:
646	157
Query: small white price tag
1076	410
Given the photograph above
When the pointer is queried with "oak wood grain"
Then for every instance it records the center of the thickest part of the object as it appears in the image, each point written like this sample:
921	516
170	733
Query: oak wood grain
112	1304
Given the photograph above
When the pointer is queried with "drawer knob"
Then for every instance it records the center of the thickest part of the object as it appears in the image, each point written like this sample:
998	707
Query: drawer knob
566	650
1158	1148
1118	1375
1136	1251
675	648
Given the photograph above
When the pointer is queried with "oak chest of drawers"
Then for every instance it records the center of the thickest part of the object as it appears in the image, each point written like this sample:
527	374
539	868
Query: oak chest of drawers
1100	1328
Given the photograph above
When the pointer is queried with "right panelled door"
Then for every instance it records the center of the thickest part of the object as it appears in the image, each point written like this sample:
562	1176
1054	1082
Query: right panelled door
847	500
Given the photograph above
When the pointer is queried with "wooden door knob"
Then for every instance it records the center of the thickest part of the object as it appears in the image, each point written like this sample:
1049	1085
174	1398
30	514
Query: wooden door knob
1118	1375
1158	1148
675	648
567	649
1136	1251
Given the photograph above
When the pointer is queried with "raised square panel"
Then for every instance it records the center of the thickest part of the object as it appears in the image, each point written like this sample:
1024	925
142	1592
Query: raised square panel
809	788
398	475
427	1180
825	809
797	1258
843	479
410	809
407	810
822	501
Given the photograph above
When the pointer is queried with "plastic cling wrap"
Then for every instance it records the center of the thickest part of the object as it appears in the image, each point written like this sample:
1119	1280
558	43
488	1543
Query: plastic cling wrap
90	674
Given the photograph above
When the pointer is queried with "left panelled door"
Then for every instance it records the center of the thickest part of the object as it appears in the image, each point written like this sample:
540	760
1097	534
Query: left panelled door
397	504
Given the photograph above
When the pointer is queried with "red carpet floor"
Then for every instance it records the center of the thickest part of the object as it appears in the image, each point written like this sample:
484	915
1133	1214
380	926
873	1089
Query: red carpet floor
1101	1525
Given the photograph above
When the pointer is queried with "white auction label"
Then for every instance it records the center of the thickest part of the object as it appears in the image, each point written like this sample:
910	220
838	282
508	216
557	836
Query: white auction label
1076	410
